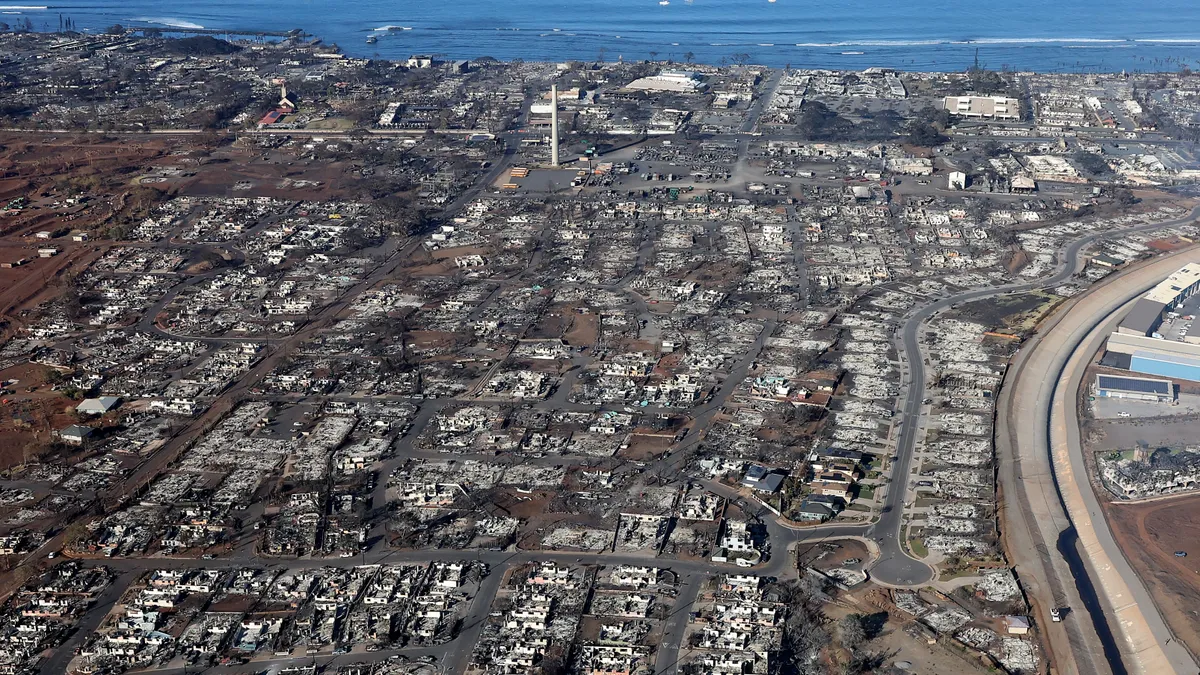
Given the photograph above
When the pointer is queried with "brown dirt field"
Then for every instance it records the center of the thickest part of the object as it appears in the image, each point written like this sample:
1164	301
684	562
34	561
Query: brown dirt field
529	506
456	251
582	332
1169	244
88	164
1149	534
234	604
643	448
898	645
438	269
271	173
47	409
819	557
549	326
12	444
41	281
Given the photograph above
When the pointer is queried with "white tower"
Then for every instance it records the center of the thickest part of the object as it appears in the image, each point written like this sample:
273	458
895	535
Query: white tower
554	125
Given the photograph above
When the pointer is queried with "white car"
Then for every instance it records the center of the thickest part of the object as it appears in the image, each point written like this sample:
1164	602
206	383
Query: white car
1123	414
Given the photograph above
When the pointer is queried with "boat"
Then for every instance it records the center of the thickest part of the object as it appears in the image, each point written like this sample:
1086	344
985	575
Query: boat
771	1
664	3
853	53
372	40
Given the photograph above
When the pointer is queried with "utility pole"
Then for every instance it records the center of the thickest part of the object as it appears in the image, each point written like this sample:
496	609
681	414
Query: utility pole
554	125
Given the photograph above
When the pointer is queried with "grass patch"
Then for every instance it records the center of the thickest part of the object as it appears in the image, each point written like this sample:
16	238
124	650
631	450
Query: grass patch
950	575
918	547
331	124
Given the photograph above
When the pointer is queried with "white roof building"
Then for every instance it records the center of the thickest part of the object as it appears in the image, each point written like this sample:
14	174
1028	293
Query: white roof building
984	107
97	406
678	81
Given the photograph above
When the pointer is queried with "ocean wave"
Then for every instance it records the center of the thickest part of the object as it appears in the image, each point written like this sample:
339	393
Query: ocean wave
1019	41
1171	41
976	41
23	7
389	27
874	43
171	23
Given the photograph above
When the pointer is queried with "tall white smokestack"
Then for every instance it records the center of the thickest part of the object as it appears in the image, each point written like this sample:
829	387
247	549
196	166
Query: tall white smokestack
554	124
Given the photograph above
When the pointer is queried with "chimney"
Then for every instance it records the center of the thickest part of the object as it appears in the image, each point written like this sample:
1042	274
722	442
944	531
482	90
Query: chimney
554	125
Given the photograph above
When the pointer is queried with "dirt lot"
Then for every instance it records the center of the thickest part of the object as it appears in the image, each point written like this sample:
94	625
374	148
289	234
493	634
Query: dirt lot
1149	534
25	430
899	646
1123	434
1013	313
583	331
1169	244
832	555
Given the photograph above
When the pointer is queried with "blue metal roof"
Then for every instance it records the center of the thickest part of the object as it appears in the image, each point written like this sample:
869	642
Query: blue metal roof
1166	358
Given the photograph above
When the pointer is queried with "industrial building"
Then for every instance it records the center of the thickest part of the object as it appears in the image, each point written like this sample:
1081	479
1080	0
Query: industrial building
1143	319
1178	287
1147	312
1137	388
1166	365
1154	337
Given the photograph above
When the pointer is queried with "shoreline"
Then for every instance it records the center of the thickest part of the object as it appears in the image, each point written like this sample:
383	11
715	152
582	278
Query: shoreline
1058	55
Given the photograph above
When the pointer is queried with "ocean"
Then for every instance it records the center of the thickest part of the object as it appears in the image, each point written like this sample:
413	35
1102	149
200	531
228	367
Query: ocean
1043	35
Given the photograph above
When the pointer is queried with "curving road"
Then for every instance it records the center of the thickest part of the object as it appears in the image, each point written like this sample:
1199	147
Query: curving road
896	566
1146	641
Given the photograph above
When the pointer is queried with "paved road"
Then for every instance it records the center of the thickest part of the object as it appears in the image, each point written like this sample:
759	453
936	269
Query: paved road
1143	635
667	660
60	657
756	109
896	566
1039	533
1031	518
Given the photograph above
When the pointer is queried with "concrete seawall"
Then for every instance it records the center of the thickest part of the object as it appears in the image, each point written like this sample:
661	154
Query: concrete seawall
1064	355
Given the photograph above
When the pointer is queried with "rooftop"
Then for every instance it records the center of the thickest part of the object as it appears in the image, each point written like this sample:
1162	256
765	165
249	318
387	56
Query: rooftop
1138	384
1182	283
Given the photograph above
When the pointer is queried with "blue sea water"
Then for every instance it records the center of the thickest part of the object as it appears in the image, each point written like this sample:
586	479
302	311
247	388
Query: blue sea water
1045	35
